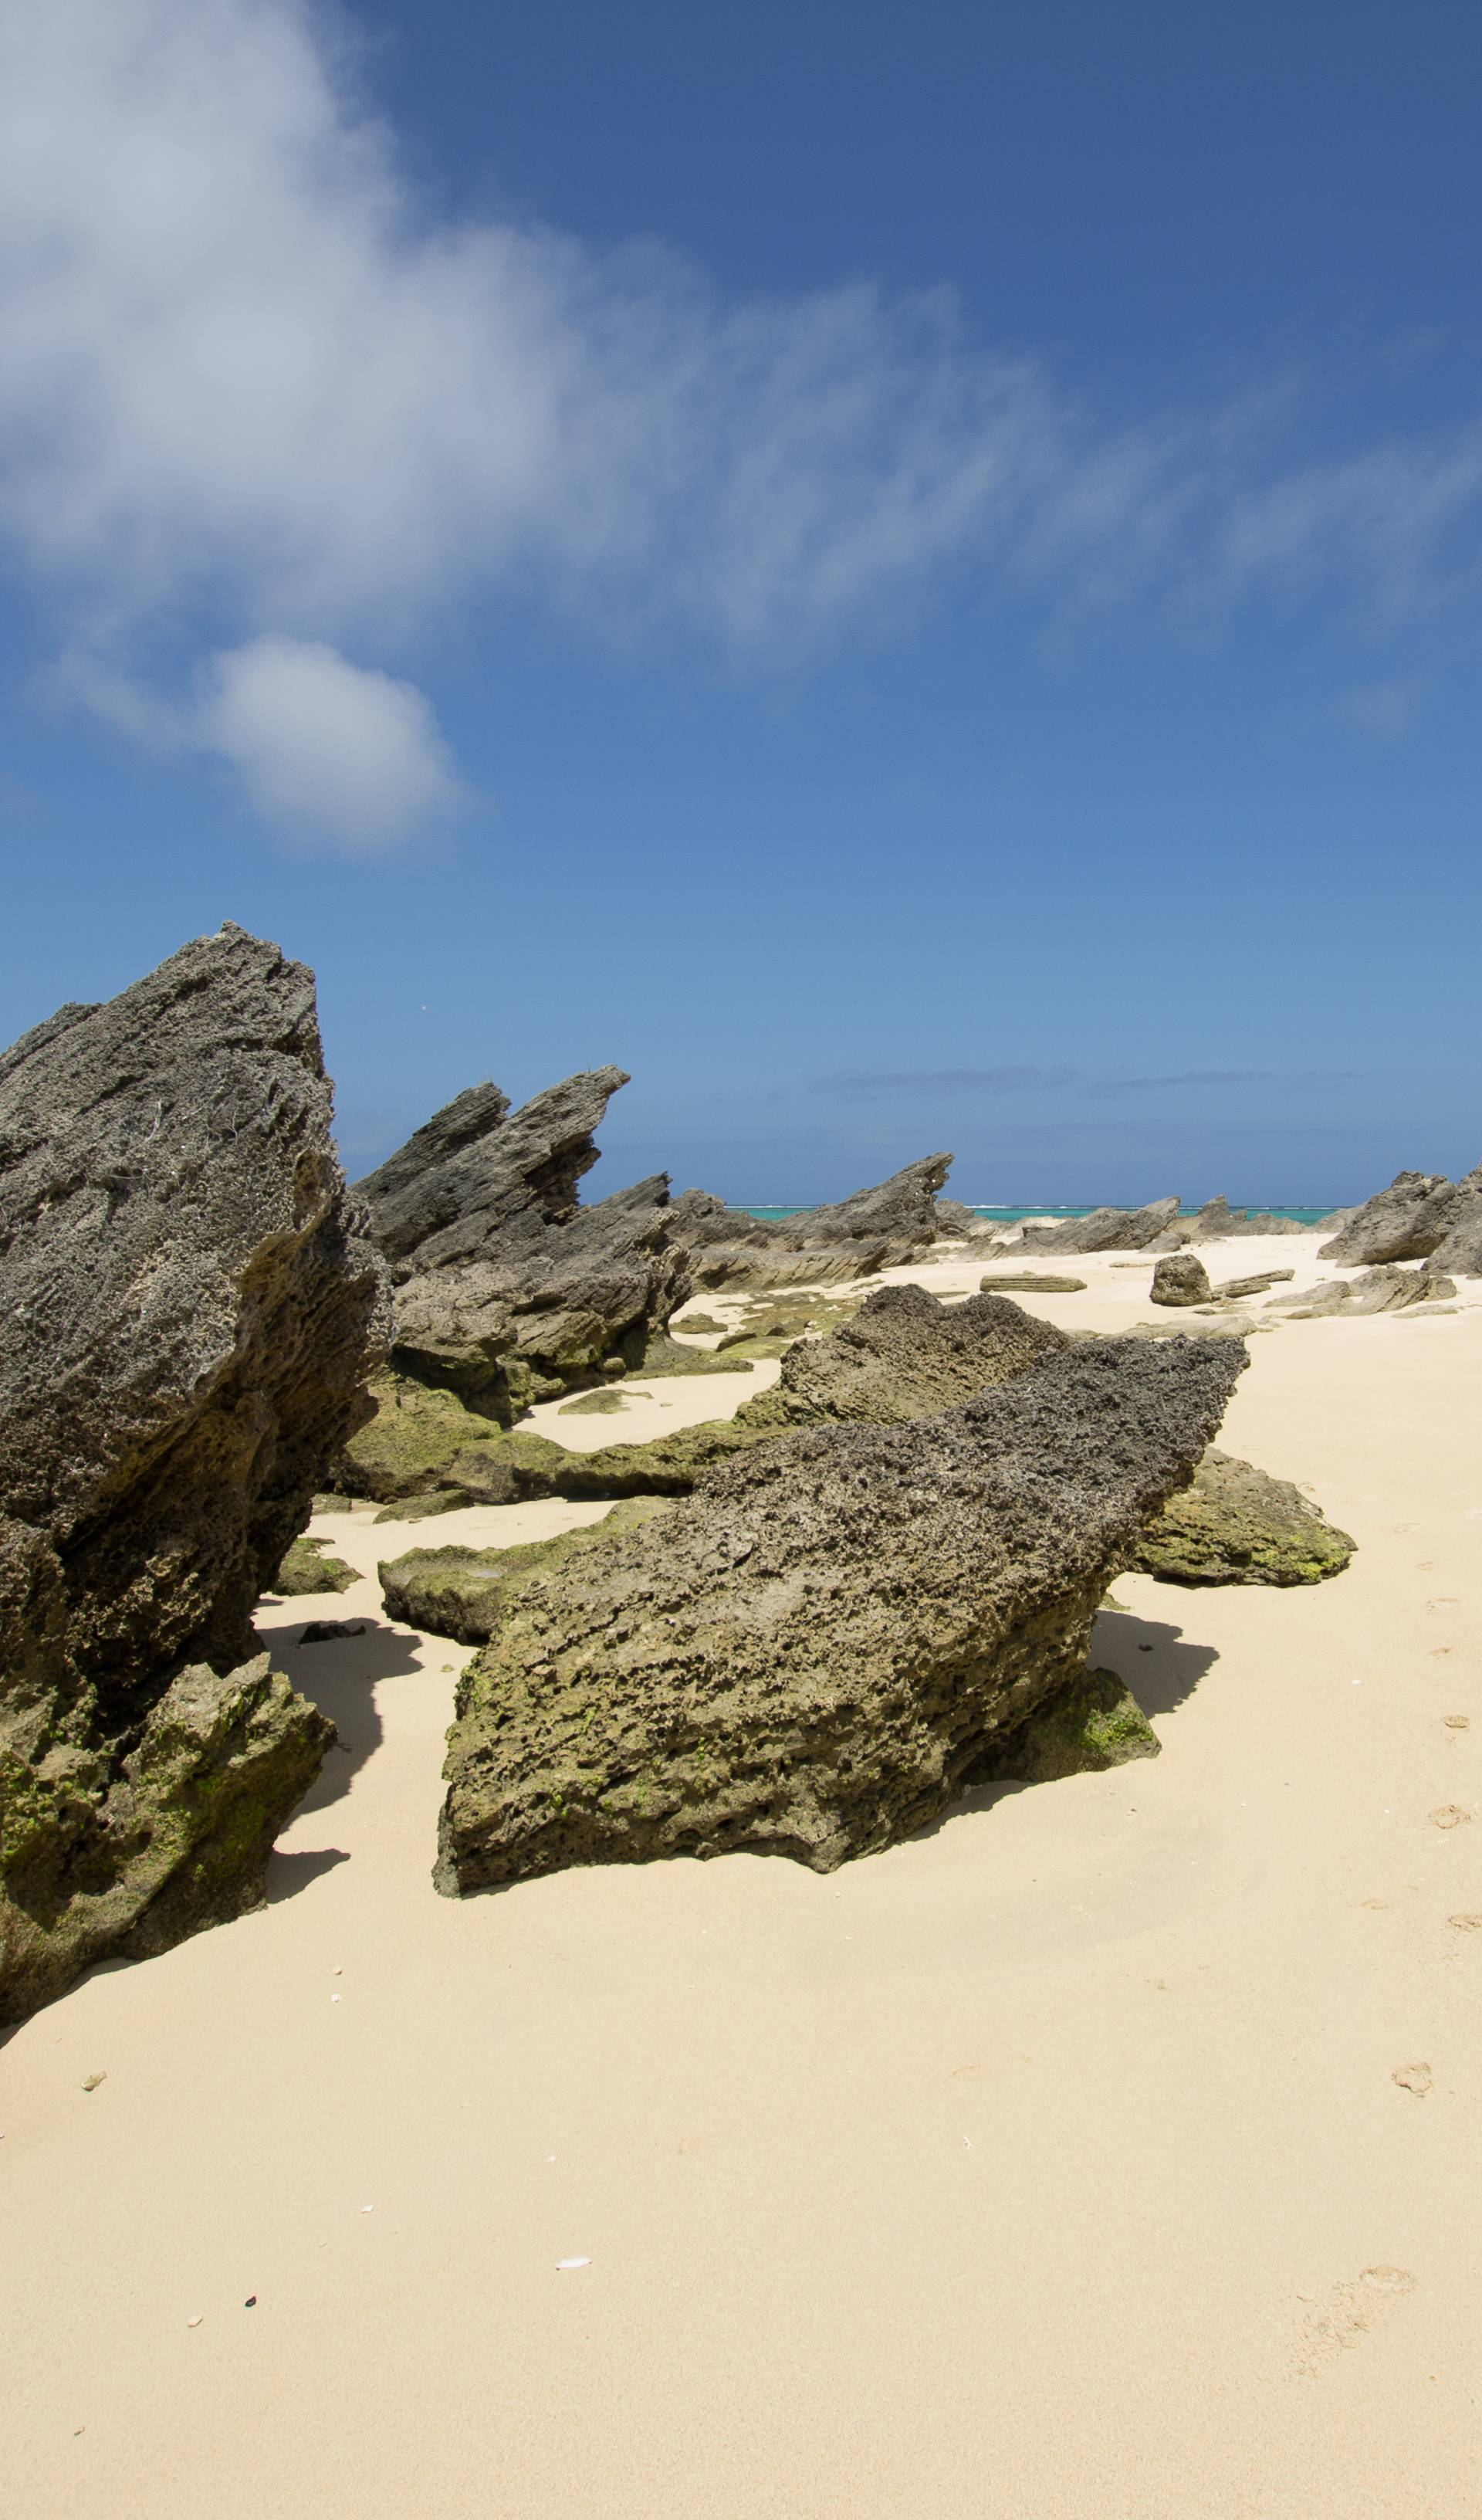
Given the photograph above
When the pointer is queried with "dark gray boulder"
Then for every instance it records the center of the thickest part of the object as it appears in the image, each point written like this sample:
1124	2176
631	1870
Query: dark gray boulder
815	1653
1106	1229
507	1289
190	1311
1179	1279
1409	1221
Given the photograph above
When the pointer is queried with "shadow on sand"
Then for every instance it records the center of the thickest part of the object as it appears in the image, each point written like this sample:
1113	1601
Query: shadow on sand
339	1677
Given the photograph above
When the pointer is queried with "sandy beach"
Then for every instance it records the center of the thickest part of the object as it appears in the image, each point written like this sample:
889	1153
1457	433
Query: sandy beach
1053	2164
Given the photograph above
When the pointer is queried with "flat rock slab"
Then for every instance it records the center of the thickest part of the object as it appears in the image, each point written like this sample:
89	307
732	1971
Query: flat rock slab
816	1651
1030	1281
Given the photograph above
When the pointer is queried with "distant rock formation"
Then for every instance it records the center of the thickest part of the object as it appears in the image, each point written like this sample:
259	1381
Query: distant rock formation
1233	1524
1106	1229
881	1228
1029	1282
815	1653
1215	1221
1422	1216
190	1310
508	1290
1371	1290
1179	1279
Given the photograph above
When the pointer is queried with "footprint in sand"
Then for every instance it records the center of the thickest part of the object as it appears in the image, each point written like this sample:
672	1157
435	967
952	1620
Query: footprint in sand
1350	2313
1414	2078
1466	1922
1448	1816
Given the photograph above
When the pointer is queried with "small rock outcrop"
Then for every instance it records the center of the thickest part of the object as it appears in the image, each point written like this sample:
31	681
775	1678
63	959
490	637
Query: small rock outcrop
1217	1221
1369	1290
462	1593
1106	1229
190	1310
1029	1282
905	1353
307	1568
507	1289
1179	1279
1232	1524
1092	1723
1235	1288
816	1651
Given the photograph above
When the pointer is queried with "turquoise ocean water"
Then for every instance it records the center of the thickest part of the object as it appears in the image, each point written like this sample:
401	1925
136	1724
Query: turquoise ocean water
1012	1215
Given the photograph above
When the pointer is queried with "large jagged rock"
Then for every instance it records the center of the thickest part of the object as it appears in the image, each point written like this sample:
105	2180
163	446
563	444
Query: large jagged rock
884	1227
1409	1221
1106	1229
1178	1278
508	1290
1233	1524
818	1651
191	1308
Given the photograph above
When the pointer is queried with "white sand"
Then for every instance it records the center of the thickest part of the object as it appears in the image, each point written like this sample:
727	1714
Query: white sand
1031	2169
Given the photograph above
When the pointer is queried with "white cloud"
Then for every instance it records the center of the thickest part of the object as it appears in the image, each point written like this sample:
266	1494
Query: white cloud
252	392
324	746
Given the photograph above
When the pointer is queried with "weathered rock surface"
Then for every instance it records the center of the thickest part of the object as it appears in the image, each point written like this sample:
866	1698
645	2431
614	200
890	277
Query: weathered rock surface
419	1438
1409	1221
816	1651
1106	1229
1369	1290
1235	1525
189	1311
1092	1723
1029	1282
1179	1279
1234	1288
462	1593
307	1568
1217	1221
506	1290
883	1227
905	1353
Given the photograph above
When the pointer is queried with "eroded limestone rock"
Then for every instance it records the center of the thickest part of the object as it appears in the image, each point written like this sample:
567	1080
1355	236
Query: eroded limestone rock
1233	1524
191	1308
1179	1279
815	1652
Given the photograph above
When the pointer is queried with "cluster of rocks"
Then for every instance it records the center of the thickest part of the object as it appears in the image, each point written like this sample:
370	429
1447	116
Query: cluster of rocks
190	1310
881	1228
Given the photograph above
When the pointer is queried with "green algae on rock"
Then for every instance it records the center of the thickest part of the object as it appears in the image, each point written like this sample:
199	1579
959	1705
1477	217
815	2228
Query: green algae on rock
1091	1724
306	1569
818	1651
460	1593
421	1438
1233	1524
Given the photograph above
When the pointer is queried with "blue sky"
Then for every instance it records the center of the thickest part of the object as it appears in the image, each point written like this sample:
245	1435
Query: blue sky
912	576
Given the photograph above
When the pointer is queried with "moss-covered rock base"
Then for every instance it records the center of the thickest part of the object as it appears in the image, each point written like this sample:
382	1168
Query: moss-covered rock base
1237	1526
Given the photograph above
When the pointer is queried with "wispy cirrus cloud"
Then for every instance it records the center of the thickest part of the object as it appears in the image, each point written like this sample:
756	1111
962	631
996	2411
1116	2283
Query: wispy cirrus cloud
254	389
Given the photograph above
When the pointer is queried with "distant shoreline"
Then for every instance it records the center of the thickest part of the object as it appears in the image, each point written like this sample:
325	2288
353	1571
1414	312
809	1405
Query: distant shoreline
1012	1215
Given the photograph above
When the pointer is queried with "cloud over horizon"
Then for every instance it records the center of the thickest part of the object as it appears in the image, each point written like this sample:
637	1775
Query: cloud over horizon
256	394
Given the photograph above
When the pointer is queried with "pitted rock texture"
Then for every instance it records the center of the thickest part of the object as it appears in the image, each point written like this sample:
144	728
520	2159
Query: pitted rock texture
508	1290
462	1593
1233	1524
1179	1279
905	1354
816	1651
191	1311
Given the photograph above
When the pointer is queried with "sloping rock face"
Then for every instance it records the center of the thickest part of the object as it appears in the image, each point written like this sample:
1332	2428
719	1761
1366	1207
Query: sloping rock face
1179	1279
905	1353
191	1309
506	1290
1232	1524
1106	1229
1409	1221
813	1654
